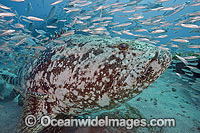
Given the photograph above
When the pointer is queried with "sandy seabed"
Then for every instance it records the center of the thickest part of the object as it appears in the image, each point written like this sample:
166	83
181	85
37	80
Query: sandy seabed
167	97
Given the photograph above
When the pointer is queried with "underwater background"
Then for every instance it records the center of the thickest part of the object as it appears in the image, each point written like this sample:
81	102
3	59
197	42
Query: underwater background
173	25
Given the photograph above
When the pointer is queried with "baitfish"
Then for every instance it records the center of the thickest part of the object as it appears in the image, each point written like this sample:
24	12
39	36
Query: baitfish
51	13
86	74
29	8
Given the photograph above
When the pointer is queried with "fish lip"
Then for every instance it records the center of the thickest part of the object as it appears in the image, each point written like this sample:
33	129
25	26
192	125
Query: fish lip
158	57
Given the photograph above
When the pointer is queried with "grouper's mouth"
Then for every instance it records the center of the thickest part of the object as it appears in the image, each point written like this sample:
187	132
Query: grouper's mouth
144	70
156	65
140	73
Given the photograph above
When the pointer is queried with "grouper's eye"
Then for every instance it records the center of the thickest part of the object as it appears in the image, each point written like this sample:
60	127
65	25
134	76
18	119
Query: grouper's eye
123	46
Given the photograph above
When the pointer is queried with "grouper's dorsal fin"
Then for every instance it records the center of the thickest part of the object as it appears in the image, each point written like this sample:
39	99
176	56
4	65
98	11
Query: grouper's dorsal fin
35	107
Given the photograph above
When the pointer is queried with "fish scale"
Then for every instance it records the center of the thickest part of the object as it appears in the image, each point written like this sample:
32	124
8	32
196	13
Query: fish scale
87	74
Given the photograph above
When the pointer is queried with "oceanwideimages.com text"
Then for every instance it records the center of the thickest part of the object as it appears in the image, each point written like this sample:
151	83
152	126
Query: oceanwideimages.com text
99	122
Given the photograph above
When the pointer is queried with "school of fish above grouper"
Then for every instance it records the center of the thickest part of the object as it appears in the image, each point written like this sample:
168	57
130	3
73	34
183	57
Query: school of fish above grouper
99	20
75	62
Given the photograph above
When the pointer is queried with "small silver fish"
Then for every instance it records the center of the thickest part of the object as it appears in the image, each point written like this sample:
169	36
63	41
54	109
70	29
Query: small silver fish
195	4
85	4
127	32
39	47
68	33
161	1
181	7
162	36
51	26
194	69
136	18
18	25
190	26
51	13
29	8
100	29
121	25
117	32
140	30
56	2
59	41
72	9
7	32
18	0
116	10
20	42
192	37
190	57
193	46
7	14
158	31
194	14
180	40
183	60
5	7
34	18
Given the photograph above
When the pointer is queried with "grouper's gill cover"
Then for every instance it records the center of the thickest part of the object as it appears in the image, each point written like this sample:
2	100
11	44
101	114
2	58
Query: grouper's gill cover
88	74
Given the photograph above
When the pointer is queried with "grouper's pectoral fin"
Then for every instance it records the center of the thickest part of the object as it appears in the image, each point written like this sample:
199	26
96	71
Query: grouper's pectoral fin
13	80
32	106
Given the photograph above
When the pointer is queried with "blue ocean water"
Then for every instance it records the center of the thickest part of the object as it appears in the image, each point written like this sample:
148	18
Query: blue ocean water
174	95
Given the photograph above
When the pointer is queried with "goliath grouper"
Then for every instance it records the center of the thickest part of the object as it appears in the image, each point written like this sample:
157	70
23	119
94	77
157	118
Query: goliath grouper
86	74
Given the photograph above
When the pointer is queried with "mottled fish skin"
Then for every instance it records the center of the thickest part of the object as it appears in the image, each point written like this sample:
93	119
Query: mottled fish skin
88	74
